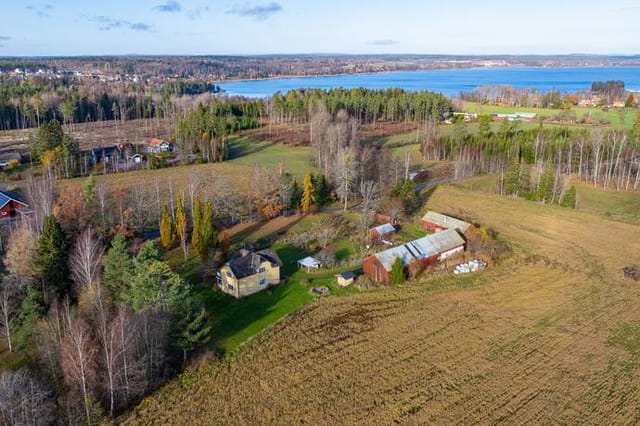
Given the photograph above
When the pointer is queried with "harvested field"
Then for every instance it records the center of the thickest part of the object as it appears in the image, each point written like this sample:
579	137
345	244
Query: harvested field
96	134
549	335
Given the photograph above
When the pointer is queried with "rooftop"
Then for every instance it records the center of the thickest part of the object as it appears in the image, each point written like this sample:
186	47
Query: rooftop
446	221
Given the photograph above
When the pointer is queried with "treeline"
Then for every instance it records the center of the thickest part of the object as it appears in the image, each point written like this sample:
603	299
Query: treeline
612	89
365	105
204	129
609	159
515	97
27	104
106	322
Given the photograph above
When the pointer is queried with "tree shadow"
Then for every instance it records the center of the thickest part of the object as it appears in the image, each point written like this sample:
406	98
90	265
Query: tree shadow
241	149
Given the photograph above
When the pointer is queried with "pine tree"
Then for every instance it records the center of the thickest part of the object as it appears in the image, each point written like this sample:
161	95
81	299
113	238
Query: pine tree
166	228
117	267
397	272
545	188
181	226
52	258
191	329
296	195
570	198
196	232
308	194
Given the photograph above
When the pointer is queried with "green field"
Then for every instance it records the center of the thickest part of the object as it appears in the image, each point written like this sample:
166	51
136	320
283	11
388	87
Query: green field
613	115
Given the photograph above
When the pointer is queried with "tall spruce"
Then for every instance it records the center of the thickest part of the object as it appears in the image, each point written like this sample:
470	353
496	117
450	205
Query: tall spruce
52	258
117	267
196	232
397	272
191	328
166	228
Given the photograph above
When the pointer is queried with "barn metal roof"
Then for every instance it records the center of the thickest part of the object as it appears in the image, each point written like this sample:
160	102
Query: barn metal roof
385	229
430	245
446	221
309	262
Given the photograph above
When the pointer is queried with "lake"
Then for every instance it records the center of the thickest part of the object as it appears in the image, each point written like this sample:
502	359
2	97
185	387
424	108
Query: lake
448	82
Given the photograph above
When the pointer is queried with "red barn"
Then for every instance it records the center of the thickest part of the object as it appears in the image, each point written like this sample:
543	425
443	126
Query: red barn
9	204
436	222
382	231
427	251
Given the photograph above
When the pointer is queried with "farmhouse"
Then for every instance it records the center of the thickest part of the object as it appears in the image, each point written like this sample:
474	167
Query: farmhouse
382	231
108	154
249	272
427	250
435	222
10	204
158	146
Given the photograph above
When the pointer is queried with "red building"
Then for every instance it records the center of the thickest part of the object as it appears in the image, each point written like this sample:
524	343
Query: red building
9	205
436	222
426	251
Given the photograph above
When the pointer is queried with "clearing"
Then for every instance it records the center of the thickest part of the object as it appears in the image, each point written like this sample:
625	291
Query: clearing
549	335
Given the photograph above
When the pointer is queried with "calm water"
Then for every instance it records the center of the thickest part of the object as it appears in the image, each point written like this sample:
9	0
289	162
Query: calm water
448	82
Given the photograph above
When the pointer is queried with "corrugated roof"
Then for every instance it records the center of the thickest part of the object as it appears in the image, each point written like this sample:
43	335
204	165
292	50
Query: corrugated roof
446	221
385	229
309	262
6	197
430	245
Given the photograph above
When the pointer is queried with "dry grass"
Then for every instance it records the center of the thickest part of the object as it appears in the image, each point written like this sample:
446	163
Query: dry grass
97	134
532	340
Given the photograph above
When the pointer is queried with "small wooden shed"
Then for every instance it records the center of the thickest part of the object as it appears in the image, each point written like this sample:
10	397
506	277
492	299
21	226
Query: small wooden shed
346	278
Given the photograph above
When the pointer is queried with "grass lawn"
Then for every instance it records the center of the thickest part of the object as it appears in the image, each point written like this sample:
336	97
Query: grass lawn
248	152
614	115
237	321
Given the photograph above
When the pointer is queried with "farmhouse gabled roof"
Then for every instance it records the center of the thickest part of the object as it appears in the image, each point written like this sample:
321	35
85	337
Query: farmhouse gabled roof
430	245
7	197
245	263
446	221
156	141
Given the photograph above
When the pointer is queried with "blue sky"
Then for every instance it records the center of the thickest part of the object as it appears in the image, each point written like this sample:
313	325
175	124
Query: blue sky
79	27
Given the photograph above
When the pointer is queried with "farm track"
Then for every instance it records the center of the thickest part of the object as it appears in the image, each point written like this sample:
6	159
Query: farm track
527	342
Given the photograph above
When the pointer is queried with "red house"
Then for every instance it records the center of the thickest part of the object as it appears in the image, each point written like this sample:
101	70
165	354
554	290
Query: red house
9	205
382	231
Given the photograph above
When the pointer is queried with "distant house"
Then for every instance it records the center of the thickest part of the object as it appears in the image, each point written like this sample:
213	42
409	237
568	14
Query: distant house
523	116
346	278
381	231
249	272
7	157
435	222
158	146
427	250
309	263
107	154
10	204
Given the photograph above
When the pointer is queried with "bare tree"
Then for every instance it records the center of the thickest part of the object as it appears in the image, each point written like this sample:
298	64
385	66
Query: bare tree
78	361
9	290
346	175
41	196
25	400
368	194
20	254
85	259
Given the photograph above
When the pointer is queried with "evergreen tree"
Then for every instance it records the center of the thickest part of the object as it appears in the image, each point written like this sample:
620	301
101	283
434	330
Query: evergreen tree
182	226
191	328
117	267
31	310
308	194
296	195
397	272
52	258
196	232
545	188
49	137
207	232
166	228
570	198
321	189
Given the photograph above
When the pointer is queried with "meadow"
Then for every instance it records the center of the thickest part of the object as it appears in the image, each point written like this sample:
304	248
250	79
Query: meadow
547	335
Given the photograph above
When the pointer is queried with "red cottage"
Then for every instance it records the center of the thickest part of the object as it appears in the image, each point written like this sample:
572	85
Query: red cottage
9	204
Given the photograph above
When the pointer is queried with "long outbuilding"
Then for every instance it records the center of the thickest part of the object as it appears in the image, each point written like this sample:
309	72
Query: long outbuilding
435	222
427	250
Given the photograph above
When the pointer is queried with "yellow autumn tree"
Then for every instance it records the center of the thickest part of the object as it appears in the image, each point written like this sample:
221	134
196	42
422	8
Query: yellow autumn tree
308	194
182	226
